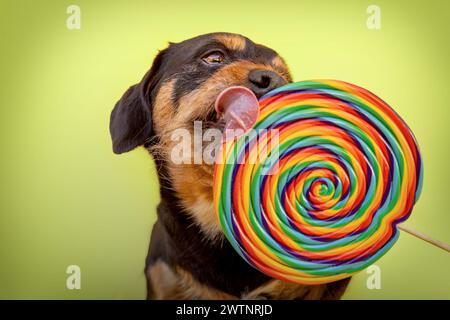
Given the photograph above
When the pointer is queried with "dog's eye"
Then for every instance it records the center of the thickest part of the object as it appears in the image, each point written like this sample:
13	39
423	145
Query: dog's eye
215	57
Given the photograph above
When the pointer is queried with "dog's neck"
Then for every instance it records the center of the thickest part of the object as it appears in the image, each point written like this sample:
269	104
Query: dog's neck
212	261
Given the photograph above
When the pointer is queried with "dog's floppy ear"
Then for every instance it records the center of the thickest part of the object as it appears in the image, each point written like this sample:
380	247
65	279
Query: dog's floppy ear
131	119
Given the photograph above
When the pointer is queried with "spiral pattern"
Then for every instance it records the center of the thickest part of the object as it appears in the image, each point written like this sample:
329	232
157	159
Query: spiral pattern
314	193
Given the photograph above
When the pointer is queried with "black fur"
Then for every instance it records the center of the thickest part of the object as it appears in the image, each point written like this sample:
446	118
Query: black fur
131	123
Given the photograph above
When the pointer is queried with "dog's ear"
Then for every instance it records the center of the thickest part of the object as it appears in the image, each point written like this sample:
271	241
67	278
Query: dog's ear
130	124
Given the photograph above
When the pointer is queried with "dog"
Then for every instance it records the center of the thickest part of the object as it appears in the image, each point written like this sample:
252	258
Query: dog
189	257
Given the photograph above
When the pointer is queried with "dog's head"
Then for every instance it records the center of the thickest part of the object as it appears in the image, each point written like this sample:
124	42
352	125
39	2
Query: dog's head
180	88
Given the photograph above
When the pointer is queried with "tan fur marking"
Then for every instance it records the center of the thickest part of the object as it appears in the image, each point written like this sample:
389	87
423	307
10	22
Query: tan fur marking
278	62
163	110
164	282
169	284
232	42
281	67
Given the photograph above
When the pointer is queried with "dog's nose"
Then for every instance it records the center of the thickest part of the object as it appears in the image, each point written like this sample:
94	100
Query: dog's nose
262	81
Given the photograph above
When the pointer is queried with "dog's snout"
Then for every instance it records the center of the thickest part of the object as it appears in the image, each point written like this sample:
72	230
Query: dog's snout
262	81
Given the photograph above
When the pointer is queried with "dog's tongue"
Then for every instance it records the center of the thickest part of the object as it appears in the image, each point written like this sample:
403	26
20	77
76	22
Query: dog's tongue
240	109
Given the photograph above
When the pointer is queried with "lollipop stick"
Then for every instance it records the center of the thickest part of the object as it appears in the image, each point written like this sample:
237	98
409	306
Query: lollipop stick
424	237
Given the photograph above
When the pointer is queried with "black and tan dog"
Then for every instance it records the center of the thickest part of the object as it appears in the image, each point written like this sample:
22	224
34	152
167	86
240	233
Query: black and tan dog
188	257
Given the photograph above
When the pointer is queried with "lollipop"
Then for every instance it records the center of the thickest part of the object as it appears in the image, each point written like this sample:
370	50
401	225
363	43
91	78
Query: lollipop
314	192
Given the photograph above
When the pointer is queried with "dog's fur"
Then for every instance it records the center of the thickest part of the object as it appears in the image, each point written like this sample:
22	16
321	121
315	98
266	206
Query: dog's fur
188	257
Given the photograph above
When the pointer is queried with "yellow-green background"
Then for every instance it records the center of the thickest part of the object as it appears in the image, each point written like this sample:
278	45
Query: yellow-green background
66	199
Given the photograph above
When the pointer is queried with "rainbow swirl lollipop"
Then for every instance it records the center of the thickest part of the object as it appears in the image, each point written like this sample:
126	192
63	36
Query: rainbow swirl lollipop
315	191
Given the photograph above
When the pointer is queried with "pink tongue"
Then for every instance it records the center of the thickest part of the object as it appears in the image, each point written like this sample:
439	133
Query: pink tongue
240	109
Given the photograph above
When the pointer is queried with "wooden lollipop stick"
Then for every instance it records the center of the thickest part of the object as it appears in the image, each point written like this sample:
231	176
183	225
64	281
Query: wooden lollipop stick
424	237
